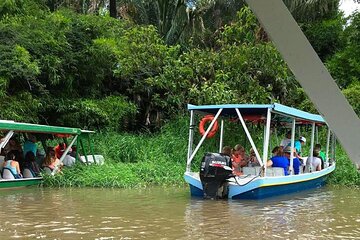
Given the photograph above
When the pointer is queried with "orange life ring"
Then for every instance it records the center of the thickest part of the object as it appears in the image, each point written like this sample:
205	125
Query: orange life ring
204	120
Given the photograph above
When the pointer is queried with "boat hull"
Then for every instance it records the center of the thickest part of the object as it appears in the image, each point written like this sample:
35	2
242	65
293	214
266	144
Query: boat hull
16	183
264	187
270	191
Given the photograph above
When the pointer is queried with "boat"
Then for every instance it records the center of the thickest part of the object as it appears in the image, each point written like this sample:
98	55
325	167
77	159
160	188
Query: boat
46	135
215	178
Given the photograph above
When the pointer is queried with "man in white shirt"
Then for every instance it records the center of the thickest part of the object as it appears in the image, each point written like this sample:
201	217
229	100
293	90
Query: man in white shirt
286	141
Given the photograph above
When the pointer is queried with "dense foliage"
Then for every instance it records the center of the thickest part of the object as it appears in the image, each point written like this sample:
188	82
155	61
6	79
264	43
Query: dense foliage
70	63
148	160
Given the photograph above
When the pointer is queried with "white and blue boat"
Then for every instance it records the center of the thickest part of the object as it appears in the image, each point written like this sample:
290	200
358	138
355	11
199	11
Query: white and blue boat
256	182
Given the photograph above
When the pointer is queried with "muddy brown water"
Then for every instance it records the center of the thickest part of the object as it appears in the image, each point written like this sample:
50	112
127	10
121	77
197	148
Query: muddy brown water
170	213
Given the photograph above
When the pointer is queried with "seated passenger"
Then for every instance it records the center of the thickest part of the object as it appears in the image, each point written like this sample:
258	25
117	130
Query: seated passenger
322	155
11	164
31	163
12	145
298	144
51	160
314	163
226	150
253	161
238	159
296	161
278	160
60	149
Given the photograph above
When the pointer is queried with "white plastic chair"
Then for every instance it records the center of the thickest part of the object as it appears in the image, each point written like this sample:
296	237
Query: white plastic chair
7	174
99	159
27	173
47	170
278	171
269	172
249	171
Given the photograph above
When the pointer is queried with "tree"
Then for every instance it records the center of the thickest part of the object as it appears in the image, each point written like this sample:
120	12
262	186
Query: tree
113	10
311	10
345	64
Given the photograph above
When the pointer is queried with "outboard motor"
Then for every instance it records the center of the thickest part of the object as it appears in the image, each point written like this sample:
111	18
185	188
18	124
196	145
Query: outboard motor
214	170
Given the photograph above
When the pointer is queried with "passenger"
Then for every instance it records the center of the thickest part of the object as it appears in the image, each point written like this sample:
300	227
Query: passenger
67	160
238	159
253	161
278	160
51	160
60	149
296	161
226	150
12	145
322	155
30	145
287	140
314	162
31	163
298	144
74	151
11	164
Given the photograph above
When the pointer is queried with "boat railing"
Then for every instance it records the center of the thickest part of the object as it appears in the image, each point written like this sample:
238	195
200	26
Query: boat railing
256	171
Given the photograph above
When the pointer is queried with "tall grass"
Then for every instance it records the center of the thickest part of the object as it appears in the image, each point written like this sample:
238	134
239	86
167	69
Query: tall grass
132	160
345	173
140	160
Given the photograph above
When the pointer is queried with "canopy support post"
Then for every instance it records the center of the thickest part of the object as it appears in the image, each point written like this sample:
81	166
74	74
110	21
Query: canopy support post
191	138
202	139
91	148
6	139
83	150
327	147
292	147
221	135
312	146
266	139
249	136
63	156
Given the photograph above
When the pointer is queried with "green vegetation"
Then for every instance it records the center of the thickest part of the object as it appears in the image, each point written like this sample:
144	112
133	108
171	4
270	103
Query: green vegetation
345	174
160	159
69	63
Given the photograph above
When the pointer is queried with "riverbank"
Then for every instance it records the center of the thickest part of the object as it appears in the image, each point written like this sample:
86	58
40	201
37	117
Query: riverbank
142	160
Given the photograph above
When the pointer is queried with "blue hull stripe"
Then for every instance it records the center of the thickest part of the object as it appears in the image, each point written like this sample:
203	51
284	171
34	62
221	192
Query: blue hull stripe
265	187
196	192
270	191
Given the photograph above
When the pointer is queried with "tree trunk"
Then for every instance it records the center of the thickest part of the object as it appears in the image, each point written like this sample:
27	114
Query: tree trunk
113	8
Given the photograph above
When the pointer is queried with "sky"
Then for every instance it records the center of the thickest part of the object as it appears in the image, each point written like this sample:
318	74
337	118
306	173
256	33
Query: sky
348	6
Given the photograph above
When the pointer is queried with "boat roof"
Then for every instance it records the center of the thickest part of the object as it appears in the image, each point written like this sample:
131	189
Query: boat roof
258	110
37	128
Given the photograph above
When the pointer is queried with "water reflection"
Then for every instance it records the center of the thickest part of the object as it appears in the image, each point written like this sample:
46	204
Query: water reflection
158	213
316	214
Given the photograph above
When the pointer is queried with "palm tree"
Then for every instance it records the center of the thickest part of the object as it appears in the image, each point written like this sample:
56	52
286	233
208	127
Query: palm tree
310	10
183	19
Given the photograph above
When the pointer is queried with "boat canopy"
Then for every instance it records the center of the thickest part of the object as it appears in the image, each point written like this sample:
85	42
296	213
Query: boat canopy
257	110
36	128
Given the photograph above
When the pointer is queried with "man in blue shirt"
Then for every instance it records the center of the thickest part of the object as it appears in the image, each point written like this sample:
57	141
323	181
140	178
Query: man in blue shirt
296	161
30	145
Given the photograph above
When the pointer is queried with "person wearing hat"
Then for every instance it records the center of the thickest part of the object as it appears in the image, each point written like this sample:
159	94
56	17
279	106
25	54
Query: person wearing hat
298	144
296	161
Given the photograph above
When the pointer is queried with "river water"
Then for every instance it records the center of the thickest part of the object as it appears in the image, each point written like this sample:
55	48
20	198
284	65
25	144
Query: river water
158	213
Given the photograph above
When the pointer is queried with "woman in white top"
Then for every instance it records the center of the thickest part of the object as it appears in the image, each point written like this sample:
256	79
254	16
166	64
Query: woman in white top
314	162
